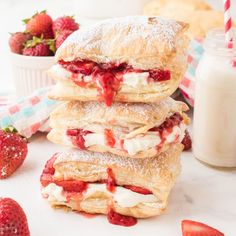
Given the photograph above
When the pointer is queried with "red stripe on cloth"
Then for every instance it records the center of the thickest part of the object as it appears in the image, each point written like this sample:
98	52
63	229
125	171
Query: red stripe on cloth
14	109
34	100
35	127
186	82
190	58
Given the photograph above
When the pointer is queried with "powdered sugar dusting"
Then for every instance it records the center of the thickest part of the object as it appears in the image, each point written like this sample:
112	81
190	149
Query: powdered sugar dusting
148	166
138	26
144	111
151	32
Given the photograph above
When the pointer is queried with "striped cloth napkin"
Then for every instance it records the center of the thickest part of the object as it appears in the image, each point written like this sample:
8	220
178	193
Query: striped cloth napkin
187	84
28	115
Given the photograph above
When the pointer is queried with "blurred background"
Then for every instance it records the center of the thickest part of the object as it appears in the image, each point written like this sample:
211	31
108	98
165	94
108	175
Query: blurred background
85	12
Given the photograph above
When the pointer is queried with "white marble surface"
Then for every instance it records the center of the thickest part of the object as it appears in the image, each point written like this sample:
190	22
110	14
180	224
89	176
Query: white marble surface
201	193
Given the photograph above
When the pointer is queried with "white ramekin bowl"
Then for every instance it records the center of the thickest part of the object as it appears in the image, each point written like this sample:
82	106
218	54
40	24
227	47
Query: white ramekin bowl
30	73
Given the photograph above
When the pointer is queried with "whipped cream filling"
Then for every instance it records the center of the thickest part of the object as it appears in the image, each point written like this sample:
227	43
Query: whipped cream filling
124	197
140	143
132	79
53	193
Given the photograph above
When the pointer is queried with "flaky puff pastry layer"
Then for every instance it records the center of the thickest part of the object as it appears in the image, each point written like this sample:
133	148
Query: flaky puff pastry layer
140	41
125	120
157	175
67	90
144	43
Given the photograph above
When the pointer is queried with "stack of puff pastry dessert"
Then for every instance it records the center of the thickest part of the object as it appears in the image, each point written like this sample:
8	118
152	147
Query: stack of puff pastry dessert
123	129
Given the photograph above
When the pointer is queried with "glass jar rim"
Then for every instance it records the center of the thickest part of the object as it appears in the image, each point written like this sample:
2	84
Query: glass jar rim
215	42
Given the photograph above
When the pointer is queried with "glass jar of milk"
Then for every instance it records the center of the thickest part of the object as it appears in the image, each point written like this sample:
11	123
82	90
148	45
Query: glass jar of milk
215	103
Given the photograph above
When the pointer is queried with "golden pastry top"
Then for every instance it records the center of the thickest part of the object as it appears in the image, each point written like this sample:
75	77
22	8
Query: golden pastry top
140	41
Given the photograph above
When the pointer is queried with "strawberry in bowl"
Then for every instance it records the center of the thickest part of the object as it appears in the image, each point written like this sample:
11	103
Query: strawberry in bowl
33	50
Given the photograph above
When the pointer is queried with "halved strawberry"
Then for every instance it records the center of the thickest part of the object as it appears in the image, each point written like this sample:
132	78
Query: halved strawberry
194	228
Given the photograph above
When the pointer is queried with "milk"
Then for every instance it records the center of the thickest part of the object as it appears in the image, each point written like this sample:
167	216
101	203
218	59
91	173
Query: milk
215	106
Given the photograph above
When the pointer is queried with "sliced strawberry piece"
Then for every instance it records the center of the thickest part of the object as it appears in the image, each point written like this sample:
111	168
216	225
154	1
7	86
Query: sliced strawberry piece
72	185
194	228
118	219
83	67
138	189
160	75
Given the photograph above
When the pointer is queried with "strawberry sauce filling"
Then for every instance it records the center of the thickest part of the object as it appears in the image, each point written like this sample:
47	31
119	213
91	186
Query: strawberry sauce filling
73	187
167	127
81	186
109	137
77	135
108	76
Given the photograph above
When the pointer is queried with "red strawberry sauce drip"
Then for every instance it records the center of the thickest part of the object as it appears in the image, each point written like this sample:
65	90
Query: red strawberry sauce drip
109	138
118	219
77	137
108	76
111	181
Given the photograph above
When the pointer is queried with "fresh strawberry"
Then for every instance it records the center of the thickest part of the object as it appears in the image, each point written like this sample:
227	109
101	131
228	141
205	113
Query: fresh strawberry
64	23
194	228
61	37
187	142
17	41
39	47
13	151
40	24
13	220
39	50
